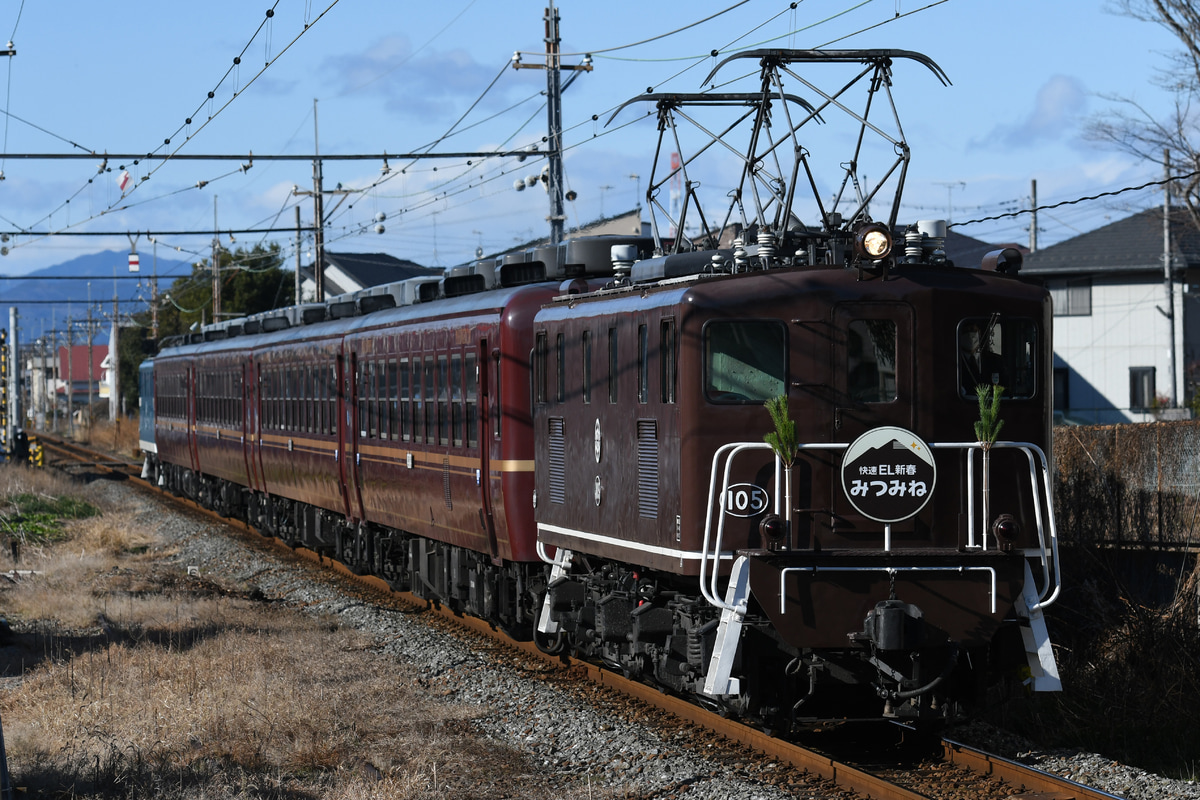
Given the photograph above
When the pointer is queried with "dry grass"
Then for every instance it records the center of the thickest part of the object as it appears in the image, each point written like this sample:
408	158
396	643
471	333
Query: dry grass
125	677
119	437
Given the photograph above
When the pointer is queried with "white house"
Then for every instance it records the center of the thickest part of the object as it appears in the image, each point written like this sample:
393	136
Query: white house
1113	337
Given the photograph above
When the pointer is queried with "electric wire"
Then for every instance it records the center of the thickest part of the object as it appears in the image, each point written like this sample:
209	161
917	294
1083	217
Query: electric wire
652	38
117	205
1052	206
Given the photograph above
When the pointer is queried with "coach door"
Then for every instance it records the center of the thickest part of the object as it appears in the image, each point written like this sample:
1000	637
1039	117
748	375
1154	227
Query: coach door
250	449
192	390
480	424
345	432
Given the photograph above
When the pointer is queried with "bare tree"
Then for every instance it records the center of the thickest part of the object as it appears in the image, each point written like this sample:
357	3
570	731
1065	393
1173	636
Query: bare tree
1136	130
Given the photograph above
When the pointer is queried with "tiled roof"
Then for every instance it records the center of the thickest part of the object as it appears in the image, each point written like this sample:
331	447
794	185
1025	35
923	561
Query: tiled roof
373	269
1133	244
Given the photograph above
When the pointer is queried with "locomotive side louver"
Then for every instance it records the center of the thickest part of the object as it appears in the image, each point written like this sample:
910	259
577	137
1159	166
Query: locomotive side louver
558	462
647	477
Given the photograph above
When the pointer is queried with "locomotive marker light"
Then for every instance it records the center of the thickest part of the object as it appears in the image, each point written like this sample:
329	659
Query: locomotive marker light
888	474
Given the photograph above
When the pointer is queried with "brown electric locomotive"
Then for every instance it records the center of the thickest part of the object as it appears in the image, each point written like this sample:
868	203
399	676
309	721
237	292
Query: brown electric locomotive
797	470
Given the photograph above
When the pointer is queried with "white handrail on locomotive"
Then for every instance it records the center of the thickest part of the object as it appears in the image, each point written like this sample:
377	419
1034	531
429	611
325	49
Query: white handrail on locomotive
1040	494
712	596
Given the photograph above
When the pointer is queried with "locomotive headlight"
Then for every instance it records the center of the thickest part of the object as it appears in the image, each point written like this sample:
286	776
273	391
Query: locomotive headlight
873	241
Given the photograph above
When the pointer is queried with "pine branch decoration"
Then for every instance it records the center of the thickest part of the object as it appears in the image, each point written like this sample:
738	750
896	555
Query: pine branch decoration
987	429
783	438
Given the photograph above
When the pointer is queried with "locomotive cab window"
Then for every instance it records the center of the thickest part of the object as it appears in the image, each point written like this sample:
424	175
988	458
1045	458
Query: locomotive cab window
744	361
998	351
871	360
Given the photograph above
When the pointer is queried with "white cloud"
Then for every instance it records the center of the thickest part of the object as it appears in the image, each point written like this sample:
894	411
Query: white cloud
1058	109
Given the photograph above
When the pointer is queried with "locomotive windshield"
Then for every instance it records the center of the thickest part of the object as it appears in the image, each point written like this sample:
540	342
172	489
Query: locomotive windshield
998	351
744	361
871	355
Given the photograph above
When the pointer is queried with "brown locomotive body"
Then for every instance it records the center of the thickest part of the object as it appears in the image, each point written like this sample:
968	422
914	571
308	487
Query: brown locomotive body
635	472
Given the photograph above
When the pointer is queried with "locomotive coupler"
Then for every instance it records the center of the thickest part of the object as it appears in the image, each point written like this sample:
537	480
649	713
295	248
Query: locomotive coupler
893	625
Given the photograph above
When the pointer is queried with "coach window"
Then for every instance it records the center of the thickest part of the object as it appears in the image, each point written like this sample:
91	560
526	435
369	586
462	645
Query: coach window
612	365
418	402
381	398
312	393
666	360
430	403
998	351
289	383
405	397
587	366
393	400
871	360
304	393
443	402
471	377
744	362
456	399
643	364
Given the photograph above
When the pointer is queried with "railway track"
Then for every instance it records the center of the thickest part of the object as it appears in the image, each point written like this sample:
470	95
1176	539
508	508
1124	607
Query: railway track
947	769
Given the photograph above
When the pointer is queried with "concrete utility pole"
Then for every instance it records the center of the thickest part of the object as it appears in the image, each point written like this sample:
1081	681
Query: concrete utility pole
554	67
318	216
1168	283
298	242
216	267
14	376
154	296
114	364
71	377
91	337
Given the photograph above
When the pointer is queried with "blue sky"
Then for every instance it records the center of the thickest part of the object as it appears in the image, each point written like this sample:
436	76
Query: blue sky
394	76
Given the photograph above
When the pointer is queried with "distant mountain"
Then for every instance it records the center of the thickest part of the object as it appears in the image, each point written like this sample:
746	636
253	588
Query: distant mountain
44	299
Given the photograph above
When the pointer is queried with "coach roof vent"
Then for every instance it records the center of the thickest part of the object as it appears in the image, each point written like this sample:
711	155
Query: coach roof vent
305	313
487	268
462	280
375	302
277	322
405	292
518	271
552	257
428	291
